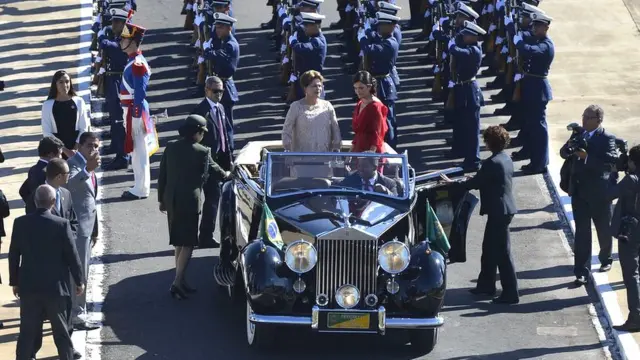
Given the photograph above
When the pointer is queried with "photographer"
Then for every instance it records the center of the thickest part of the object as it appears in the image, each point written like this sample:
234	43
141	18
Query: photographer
625	226
592	155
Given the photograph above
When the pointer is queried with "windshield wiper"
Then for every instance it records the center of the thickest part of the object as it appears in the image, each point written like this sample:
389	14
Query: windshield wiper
333	216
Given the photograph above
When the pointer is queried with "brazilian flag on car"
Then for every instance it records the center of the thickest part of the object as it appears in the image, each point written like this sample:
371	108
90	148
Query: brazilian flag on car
269	228
435	233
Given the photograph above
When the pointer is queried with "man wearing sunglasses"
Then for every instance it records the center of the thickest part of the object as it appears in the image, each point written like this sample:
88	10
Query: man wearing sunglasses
219	138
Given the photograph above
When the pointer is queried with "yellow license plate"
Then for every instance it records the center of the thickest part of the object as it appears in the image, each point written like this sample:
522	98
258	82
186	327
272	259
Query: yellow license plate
348	321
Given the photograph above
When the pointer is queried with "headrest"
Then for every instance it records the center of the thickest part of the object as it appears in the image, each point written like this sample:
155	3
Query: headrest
466	11
312	18
385	18
471	28
222	18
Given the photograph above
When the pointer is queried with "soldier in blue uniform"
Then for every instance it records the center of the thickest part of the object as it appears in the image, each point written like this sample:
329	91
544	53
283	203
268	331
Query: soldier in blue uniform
391	9
224	7
537	53
381	50
116	60
308	48
467	53
295	22
224	52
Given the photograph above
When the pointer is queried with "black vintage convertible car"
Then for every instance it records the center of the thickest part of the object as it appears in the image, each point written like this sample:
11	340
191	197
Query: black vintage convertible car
343	257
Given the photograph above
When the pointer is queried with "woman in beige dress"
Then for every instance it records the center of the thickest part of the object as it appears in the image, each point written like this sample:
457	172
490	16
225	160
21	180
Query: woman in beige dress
311	126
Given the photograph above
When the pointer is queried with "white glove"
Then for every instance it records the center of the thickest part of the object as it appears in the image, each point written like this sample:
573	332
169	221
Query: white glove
432	2
427	13
127	7
509	59
451	43
197	44
285	60
198	20
505	50
361	35
485	10
492	28
517	77
286	21
435	27
98	59
189	7
295	35
348	8
283	47
200	60
281	11
431	38
443	20
292	39
436	69
367	26
101	32
451	84
360	54
517	38
499	4
292	78
206	45
499	40
490	9
102	71
444	55
507	19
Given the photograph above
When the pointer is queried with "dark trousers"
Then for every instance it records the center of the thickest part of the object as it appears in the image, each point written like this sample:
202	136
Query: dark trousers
56	309
584	211
417	16
466	127
496	255
116	116
535	143
212	191
228	112
391	136
629	252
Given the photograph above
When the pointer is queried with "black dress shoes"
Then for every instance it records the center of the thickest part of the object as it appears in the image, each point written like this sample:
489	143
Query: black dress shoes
119	163
482	292
530	170
86	326
581	280
76	354
505	300
129	196
605	267
628	326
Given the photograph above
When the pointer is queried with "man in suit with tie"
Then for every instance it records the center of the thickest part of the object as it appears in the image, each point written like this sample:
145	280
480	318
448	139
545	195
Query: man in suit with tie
219	137
368	178
41	257
83	187
494	180
49	148
589	184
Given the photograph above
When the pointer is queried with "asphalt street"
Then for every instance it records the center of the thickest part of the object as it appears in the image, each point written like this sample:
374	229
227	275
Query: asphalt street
553	320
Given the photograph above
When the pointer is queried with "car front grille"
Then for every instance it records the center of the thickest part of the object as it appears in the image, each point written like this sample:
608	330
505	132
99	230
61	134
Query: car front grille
342	262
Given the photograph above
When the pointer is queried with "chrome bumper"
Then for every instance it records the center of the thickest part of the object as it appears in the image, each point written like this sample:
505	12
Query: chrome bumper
383	321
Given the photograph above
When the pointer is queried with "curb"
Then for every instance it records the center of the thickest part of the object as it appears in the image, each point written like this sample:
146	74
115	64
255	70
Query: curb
627	345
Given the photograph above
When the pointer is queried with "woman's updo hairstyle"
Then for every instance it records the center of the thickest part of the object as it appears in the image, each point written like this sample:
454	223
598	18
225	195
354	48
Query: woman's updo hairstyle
366	78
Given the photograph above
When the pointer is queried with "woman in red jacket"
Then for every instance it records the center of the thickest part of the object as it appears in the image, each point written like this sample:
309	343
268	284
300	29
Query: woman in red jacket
369	121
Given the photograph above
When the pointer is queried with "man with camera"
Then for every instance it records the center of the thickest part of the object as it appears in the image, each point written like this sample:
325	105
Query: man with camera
592	154
625	225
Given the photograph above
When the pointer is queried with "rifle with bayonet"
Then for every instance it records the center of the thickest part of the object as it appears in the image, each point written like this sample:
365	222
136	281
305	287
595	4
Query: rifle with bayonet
286	68
451	98
292	76
363	18
514	54
202	71
436	87
490	26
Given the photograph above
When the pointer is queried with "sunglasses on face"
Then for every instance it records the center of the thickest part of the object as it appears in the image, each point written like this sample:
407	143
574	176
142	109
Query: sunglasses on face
216	91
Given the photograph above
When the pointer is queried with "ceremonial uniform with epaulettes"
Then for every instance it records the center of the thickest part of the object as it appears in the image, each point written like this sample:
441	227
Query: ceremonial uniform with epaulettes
309	52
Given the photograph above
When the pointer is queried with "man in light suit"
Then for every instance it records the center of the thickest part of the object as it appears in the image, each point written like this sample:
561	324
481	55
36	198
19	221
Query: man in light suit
83	187
41	257
219	137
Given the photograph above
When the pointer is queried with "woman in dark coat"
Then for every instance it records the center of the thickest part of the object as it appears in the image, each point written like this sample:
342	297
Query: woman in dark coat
185	167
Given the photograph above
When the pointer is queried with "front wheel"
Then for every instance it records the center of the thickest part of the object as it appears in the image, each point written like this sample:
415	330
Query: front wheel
423	340
259	336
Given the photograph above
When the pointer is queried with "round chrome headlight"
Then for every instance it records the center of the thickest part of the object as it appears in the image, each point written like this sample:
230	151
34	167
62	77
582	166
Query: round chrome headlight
301	256
347	296
394	257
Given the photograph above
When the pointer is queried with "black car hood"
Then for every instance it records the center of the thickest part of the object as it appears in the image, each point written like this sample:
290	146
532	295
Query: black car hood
319	214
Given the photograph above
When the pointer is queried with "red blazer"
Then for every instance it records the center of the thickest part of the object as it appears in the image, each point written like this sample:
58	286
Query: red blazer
369	126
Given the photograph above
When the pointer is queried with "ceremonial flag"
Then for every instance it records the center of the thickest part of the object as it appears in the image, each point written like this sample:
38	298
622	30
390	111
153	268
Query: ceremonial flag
435	233
269	227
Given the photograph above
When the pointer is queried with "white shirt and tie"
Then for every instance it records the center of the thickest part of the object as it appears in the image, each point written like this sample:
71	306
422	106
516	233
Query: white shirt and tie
588	136
370	184
222	136
58	198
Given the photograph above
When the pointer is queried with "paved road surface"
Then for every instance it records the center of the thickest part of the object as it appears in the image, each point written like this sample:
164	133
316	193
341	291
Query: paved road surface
143	322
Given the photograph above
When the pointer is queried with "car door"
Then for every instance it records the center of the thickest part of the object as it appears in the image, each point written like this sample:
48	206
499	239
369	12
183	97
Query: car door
452	204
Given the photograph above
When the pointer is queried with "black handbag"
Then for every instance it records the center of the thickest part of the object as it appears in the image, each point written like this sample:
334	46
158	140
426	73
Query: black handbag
565	175
629	223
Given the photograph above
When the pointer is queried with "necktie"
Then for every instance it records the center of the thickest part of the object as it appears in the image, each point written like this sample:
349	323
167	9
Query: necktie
93	180
223	139
58	202
367	186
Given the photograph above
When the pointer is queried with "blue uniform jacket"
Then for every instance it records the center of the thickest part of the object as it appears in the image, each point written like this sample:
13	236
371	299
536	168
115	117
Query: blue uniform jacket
537	58
225	54
397	34
309	53
468	58
382	54
110	47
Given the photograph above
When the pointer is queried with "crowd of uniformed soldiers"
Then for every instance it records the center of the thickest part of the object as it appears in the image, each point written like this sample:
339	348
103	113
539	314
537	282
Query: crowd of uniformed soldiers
509	37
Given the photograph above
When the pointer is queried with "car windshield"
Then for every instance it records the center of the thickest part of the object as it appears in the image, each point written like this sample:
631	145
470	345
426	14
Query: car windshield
382	174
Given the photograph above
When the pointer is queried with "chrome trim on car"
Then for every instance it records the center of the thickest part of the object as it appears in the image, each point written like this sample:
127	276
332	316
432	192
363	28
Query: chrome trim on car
384	322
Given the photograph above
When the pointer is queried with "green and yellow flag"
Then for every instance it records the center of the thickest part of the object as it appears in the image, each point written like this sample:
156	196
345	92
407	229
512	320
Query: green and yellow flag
269	228
435	232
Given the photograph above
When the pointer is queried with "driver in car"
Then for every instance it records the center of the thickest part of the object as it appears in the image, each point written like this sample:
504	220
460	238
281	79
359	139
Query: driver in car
368	178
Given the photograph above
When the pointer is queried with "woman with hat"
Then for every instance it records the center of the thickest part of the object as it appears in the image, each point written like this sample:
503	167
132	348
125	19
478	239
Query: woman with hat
184	168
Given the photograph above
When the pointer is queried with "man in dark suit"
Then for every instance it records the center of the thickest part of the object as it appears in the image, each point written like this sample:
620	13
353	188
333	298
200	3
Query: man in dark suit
368	178
219	137
494	180
41	256
588	187
49	148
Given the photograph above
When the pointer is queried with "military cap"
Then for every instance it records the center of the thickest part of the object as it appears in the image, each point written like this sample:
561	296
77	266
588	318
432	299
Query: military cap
195	121
119	14
131	31
528	9
312	18
222	18
385	18
220	2
388	8
541	18
466	11
471	28
311	3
